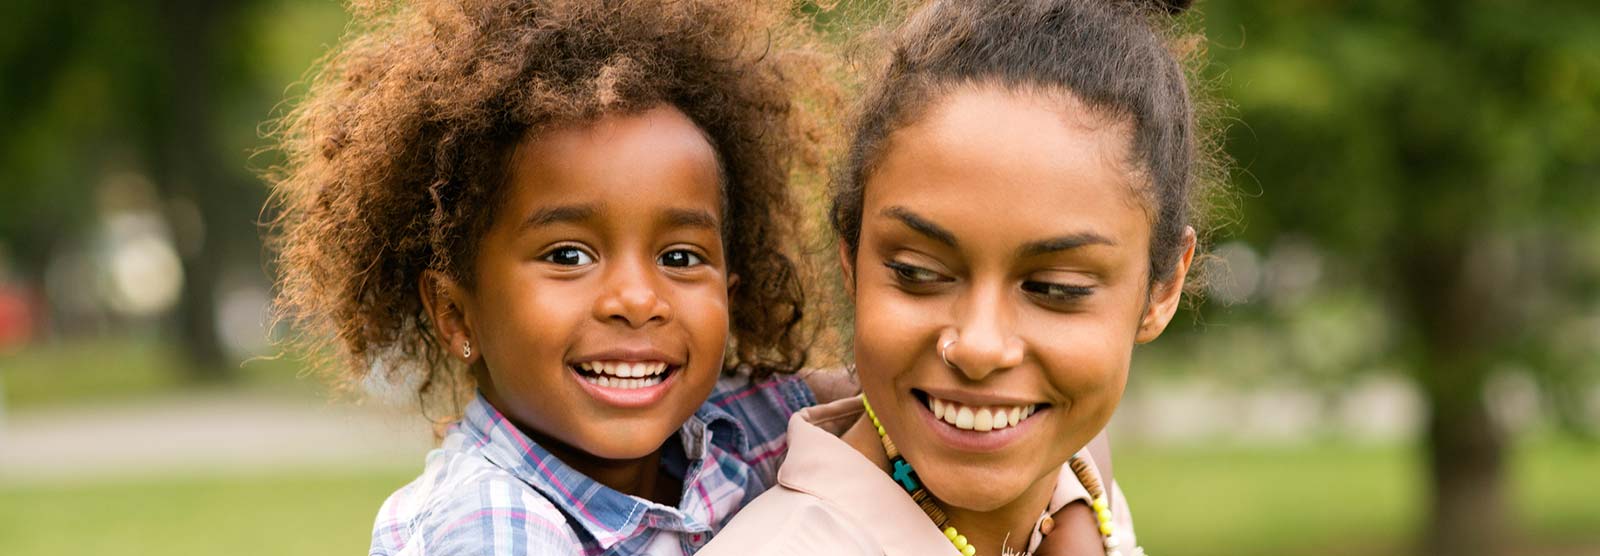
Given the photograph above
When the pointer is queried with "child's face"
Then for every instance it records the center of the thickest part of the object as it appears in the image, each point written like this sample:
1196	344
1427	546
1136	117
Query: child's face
601	298
1008	223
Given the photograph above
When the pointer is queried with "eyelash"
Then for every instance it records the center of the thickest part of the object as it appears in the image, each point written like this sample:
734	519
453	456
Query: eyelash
550	257
915	276
906	274
698	260
1057	292
695	259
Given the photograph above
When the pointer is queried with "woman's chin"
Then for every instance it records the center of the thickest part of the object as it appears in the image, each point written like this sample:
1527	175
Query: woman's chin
978	490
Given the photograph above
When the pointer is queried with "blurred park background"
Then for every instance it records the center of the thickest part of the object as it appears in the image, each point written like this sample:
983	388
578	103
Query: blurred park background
1400	353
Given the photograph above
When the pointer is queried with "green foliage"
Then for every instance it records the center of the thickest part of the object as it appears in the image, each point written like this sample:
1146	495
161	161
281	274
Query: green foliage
1441	156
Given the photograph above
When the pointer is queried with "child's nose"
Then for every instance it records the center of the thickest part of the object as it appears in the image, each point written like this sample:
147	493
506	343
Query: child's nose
631	297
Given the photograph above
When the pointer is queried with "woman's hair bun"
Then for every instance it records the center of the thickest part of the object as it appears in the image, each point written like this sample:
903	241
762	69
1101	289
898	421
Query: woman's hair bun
1173	7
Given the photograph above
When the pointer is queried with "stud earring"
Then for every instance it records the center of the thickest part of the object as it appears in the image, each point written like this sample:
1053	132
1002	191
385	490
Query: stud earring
466	349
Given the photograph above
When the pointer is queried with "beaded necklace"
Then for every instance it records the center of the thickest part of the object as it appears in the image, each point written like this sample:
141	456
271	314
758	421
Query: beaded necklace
907	478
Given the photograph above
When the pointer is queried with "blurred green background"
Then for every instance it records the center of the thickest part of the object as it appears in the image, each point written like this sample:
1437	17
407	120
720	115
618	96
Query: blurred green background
1399	352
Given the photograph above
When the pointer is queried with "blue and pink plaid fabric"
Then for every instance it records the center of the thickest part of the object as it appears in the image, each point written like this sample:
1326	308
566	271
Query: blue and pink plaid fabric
490	490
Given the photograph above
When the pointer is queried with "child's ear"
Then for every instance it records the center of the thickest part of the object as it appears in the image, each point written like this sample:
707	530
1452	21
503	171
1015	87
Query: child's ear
1164	296
443	299
847	265
733	283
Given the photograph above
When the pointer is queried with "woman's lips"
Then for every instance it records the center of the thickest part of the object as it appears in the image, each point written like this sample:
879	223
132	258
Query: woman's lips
977	428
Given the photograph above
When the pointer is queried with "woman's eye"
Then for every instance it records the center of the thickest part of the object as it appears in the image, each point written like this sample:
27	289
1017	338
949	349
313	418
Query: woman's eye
679	259
1056	292
912	274
569	256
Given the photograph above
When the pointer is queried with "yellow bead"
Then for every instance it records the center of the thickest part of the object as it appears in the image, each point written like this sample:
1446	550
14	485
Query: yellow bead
1105	529
969	550
950	533
1100	504
961	541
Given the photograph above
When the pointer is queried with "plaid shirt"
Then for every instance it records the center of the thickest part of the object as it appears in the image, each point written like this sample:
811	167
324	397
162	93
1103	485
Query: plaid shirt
489	489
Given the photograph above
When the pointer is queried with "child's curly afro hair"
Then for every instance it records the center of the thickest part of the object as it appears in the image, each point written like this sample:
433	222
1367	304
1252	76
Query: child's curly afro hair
395	158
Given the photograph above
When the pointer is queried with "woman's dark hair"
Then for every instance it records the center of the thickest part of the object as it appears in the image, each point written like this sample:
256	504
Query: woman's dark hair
397	156
1118	57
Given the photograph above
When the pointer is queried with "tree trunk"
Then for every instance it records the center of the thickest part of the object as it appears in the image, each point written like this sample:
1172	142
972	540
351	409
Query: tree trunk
193	170
1450	295
1466	464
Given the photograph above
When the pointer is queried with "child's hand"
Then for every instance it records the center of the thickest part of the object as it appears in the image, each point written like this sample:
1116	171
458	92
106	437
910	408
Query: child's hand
1074	533
831	384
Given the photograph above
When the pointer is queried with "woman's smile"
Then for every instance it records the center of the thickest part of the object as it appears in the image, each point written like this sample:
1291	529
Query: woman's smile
980	423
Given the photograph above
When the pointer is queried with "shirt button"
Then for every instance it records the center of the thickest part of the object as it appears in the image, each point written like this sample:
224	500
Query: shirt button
696	538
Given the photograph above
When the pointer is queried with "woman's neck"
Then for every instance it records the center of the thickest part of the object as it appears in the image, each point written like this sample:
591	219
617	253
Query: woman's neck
1009	525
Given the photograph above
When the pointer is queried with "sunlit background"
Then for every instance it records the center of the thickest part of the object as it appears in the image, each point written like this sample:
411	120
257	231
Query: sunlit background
1399	352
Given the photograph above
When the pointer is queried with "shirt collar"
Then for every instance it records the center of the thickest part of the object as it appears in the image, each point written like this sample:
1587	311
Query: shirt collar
607	515
823	465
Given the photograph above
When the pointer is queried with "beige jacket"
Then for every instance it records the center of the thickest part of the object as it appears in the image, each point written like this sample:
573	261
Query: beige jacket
831	500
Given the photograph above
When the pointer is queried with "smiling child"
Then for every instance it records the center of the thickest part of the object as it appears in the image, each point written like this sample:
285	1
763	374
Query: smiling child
580	210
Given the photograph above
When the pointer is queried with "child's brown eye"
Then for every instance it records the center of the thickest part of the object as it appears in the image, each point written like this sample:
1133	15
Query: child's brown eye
569	256
679	259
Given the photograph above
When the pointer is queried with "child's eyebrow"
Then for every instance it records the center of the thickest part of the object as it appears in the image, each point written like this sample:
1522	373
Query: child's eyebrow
559	214
690	218
1063	243
920	225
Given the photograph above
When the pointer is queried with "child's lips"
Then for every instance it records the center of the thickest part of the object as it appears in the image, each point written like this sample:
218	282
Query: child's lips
625	384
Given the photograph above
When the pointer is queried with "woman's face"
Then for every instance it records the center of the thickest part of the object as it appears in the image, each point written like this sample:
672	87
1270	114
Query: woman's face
1008	226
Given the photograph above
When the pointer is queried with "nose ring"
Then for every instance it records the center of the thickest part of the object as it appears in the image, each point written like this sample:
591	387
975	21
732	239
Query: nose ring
945	347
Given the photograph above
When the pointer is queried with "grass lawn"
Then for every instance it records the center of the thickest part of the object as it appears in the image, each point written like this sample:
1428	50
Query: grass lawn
124	369
304	514
1326	500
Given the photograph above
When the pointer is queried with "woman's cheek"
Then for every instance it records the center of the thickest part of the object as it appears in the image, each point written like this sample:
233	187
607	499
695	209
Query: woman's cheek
1090	369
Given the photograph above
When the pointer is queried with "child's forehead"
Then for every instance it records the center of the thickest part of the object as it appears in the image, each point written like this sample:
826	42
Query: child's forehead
657	153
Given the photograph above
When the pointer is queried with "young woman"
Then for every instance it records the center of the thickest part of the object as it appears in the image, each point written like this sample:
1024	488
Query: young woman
1014	218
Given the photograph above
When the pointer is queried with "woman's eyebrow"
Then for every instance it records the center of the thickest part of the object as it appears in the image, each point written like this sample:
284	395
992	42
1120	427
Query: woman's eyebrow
920	225
1062	243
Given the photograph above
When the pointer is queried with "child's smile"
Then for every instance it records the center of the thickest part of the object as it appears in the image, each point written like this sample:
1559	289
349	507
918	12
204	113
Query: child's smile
600	298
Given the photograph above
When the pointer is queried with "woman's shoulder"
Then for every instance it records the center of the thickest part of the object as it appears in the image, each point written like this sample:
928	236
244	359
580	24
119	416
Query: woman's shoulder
783	522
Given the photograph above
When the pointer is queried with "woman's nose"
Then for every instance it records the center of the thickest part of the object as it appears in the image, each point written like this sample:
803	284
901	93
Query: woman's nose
984	336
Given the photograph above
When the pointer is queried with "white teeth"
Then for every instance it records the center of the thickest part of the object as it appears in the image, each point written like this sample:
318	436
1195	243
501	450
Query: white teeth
624	383
964	418
621	369
981	419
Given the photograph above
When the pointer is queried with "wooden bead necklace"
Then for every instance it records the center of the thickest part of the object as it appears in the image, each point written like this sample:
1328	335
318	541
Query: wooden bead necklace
907	478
